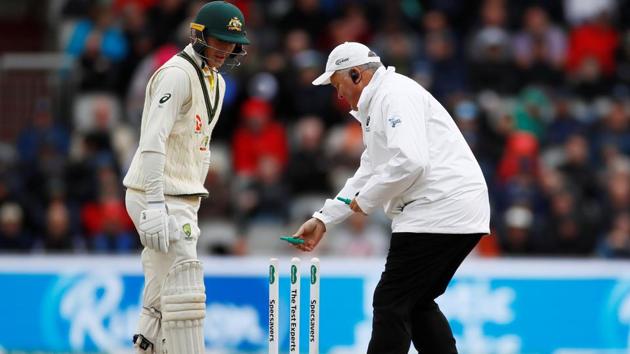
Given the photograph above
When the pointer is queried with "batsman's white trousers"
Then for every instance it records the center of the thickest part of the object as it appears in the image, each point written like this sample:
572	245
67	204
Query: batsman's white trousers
156	264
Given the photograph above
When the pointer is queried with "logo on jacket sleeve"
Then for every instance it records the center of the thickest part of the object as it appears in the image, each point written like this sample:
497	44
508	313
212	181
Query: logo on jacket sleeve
394	121
165	98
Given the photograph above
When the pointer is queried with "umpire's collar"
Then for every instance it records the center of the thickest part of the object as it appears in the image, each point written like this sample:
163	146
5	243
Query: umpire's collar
368	91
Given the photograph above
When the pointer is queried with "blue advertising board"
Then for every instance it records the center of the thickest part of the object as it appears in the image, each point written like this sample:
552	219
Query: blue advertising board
54	304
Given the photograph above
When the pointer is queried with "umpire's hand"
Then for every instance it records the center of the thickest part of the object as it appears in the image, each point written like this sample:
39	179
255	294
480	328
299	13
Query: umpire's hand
355	207
312	231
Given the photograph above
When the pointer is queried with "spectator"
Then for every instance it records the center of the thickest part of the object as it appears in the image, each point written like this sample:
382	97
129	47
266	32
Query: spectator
358	238
58	237
100	46
263	199
100	141
258	135
447	76
115	235
564	123
611	135
467	117
106	225
533	112
397	46
517	239
617	191
616	241
306	15
270	187
344	147
577	12
578	169
105	136
45	175
521	155
440	71
43	131
491	66
623	64
13	191
352	26
163	18
296	42
304	98
518	176
569	231
495	128
140	42
13	236
591	55
540	48
183	29
308	166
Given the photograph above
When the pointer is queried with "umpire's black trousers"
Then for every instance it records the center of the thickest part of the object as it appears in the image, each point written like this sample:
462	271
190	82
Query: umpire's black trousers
418	269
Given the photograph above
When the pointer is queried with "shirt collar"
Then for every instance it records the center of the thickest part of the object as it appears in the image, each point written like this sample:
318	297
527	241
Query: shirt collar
370	89
198	60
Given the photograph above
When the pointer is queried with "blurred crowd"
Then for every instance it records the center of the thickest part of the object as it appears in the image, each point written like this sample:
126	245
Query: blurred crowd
540	90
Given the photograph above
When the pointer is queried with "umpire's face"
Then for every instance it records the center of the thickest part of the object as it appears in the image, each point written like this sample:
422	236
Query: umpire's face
346	88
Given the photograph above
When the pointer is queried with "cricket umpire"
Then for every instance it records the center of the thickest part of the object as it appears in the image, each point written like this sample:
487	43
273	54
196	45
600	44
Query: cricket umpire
416	165
165	181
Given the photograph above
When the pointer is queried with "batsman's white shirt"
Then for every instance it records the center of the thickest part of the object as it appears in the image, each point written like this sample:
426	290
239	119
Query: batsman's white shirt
175	123
416	163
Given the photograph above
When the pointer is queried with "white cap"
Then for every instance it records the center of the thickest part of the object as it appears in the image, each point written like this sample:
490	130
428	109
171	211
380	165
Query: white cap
345	56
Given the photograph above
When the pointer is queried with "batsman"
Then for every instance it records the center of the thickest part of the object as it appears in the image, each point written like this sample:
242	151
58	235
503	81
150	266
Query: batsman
165	182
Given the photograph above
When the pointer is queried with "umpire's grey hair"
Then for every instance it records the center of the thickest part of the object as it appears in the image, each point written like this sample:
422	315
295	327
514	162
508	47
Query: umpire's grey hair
373	66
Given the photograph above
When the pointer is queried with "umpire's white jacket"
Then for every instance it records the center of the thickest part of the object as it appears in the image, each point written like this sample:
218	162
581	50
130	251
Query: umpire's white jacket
416	163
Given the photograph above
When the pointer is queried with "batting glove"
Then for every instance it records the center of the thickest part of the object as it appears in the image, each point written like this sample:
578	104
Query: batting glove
156	228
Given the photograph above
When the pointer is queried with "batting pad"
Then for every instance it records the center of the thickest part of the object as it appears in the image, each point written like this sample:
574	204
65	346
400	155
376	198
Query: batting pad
148	340
184	308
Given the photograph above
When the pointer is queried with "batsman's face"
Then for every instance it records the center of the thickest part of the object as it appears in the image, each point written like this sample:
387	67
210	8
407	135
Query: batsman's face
218	51
346	89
